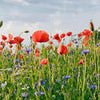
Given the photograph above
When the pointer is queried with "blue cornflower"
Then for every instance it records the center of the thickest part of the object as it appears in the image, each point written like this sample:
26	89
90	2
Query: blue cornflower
72	52
77	45
39	93
97	45
85	51
9	55
25	95
35	85
41	82
92	86
28	50
17	60
66	77
48	88
63	82
17	66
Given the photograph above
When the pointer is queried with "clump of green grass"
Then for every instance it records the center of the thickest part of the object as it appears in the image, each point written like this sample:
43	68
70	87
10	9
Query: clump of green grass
62	78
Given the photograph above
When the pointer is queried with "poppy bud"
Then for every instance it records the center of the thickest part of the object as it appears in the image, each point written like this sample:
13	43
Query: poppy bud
91	26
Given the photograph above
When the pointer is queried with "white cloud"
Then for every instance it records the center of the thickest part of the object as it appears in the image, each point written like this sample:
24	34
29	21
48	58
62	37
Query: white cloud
15	28
95	2
23	2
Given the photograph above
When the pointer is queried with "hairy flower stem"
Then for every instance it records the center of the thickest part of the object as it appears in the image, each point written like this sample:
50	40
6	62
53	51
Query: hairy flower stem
84	74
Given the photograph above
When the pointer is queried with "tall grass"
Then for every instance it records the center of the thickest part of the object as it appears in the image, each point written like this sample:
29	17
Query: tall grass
63	78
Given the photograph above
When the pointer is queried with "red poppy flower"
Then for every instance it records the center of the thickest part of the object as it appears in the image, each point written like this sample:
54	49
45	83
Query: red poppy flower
10	51
11	41
4	37
86	37
50	42
85	43
62	49
69	44
10	46
59	40
21	57
79	35
37	54
91	34
2	43
36	50
86	32
18	46
47	48
44	61
56	37
10	36
81	61
40	36
69	33
1	48
18	39
62	35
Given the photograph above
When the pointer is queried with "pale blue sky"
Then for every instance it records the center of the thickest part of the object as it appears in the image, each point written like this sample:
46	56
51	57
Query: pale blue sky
53	16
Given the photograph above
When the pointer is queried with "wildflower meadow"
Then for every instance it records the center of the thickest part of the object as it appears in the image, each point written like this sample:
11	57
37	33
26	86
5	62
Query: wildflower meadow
59	70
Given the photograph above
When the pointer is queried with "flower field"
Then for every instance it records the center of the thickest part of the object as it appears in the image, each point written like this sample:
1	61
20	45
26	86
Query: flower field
68	71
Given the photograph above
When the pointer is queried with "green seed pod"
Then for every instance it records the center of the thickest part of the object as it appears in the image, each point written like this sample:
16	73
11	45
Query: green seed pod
26	31
1	23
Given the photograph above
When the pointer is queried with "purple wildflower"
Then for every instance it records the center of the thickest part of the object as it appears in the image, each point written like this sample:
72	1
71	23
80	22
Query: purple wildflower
17	60
92	86
72	52
66	77
25	95
97	45
39	93
77	45
41	82
27	50
35	85
85	51
17	66
9	55
48	88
